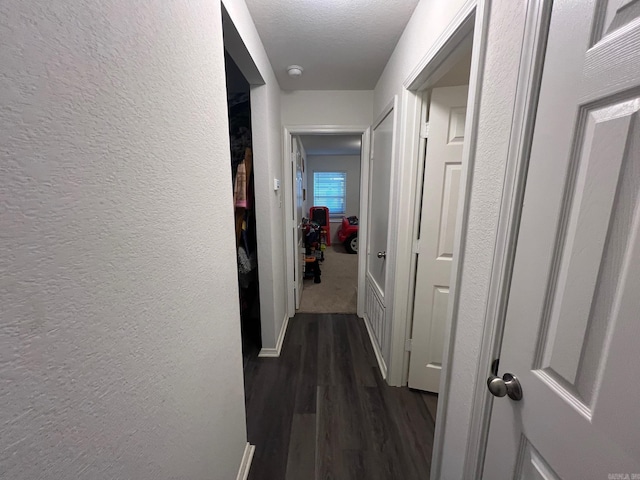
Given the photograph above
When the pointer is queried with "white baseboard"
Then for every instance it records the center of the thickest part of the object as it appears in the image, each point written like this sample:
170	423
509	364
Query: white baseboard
275	352
376	349
245	464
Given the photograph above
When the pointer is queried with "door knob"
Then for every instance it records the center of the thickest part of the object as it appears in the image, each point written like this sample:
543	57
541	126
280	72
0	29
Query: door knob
507	385
382	254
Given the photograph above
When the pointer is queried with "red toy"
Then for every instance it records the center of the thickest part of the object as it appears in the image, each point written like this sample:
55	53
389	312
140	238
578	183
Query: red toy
348	234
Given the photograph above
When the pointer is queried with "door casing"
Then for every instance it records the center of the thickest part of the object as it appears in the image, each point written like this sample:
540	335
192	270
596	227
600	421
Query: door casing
470	24
297	162
380	333
288	192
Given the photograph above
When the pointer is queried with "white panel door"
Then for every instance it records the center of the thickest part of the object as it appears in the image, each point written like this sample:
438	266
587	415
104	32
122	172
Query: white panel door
380	182
298	214
441	187
382	144
572	329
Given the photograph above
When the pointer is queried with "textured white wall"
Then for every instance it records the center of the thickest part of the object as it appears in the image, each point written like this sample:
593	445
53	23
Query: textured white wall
267	151
120	350
327	107
504	45
427	23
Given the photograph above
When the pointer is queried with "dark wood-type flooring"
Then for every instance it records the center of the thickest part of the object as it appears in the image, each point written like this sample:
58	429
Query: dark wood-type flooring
322	411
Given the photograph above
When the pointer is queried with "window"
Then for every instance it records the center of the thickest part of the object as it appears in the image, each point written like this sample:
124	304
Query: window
329	190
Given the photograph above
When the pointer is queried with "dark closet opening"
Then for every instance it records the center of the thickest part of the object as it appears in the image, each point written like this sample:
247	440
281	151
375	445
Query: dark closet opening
239	108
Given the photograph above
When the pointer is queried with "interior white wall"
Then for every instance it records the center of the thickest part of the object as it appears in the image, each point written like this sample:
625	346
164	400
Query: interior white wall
504	44
267	164
458	75
120	351
338	163
327	107
427	23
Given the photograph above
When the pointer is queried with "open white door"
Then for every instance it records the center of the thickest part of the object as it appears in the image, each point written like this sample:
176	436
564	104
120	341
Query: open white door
572	328
298	214
378	229
441	187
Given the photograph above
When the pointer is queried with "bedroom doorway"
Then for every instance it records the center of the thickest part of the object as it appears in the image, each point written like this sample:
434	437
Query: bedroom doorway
330	222
324	211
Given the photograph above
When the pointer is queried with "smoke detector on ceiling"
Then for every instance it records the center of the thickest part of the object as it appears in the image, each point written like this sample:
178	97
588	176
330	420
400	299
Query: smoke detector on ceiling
295	70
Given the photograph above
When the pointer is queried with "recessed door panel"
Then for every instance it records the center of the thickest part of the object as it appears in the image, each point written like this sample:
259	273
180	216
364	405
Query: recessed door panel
572	326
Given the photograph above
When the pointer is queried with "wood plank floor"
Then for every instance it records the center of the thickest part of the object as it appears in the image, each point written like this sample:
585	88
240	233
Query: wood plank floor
322	411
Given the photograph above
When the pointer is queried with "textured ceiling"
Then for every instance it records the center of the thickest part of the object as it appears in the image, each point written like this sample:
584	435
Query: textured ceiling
341	44
331	144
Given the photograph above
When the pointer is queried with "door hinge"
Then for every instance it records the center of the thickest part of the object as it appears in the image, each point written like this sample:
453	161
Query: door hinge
424	130
416	247
407	345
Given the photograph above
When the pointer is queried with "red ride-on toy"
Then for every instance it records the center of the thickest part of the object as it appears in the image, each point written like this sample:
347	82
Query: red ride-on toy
348	234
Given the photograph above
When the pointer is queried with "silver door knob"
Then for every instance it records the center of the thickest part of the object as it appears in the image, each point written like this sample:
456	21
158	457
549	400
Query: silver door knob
507	385
382	254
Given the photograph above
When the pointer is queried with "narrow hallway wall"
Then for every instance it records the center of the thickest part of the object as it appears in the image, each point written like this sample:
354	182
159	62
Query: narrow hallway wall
327	107
120	350
428	22
425	26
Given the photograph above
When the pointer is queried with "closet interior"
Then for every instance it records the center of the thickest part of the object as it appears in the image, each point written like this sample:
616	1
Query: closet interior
239	108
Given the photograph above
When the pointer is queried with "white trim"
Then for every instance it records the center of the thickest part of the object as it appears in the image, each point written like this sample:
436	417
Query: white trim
275	352
459	27
431	66
376	349
395	187
288	131
527	90
245	463
403	321
290	248
407	191
387	294
472	17
376	287
363	227
388	108
478	57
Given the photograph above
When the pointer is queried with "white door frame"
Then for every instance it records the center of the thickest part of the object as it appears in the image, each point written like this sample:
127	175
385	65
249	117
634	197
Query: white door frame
474	15
380	348
430	69
472	19
531	62
364	131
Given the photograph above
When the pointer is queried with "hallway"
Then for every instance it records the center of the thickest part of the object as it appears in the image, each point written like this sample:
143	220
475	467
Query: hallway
321	410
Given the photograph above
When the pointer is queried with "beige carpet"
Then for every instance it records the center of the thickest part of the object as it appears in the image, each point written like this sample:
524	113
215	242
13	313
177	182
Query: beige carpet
338	291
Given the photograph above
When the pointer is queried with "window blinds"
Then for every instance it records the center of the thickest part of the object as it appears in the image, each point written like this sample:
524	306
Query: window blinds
330	190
